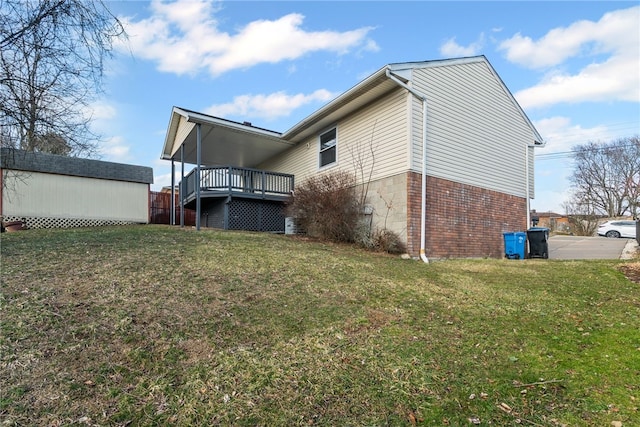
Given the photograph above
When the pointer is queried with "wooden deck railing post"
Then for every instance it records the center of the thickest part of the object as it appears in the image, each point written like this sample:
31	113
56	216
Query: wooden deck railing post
238	180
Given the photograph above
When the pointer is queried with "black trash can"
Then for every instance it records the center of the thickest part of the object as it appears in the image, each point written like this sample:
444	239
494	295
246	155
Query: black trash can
538	242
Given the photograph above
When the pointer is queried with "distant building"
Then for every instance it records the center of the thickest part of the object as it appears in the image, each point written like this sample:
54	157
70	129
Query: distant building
551	220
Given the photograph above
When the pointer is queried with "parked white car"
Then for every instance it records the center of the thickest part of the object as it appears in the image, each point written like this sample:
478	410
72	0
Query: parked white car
618	228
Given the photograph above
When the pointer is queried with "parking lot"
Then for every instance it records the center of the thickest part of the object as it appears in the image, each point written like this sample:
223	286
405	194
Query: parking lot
580	247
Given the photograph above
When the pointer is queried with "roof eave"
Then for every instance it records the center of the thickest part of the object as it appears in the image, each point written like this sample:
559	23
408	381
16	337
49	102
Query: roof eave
171	133
342	100
203	119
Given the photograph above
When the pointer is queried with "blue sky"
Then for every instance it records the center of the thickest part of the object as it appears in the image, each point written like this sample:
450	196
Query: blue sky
574	67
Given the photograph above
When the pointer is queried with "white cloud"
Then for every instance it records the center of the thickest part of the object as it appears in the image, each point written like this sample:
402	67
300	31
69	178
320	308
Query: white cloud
101	111
102	115
269	107
162	180
451	48
183	37
162	174
614	78
561	135
115	149
551	200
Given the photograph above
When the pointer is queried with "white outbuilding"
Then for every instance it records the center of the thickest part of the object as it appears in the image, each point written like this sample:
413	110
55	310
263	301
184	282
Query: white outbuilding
51	191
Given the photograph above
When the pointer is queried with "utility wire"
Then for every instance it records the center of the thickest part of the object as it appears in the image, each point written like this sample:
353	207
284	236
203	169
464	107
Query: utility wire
572	153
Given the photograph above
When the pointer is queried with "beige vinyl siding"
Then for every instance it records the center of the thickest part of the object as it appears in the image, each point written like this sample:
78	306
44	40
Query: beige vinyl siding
184	129
34	194
382	125
476	135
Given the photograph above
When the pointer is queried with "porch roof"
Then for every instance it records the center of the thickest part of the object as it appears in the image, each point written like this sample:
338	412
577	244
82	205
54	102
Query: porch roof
224	142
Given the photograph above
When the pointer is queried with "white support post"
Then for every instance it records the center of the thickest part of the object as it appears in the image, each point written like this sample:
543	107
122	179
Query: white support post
172	214
182	189
198	161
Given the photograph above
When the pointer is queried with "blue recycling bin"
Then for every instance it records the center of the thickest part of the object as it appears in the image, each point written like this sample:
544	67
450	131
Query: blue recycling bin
515	245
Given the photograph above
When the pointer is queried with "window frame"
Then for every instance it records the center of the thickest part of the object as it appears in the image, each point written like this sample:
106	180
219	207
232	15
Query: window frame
334	147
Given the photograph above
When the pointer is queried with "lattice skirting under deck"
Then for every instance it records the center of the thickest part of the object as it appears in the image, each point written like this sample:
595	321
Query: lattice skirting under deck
32	222
256	215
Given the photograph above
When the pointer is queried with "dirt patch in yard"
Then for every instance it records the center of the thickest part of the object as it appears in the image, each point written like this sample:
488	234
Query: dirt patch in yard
632	271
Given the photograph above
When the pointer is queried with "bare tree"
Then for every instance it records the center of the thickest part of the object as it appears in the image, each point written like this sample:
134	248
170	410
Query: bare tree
607	177
361	157
52	55
583	219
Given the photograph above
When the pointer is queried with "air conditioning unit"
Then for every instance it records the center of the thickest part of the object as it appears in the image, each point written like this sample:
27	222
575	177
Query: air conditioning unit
290	225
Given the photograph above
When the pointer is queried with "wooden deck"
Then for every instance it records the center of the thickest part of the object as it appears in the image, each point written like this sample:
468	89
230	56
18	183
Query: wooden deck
225	181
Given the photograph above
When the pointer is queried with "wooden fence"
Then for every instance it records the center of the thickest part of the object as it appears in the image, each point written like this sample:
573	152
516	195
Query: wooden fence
160	209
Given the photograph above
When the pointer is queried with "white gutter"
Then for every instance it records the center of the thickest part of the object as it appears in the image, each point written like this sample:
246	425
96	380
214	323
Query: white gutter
527	177
423	214
338	102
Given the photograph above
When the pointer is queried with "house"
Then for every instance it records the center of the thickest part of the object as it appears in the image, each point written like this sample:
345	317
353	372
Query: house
51	191
552	220
446	129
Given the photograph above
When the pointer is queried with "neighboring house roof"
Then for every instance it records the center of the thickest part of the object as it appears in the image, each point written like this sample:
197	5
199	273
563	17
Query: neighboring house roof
228	142
547	214
73	166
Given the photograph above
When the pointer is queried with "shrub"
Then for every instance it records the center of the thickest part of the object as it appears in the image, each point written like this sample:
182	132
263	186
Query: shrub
385	240
326	206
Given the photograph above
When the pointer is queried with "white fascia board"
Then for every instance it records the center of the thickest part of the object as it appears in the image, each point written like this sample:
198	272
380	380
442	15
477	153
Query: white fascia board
204	119
405	69
336	103
398	67
169	138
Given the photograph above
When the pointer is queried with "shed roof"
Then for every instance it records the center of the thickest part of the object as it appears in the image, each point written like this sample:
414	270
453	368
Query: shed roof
74	166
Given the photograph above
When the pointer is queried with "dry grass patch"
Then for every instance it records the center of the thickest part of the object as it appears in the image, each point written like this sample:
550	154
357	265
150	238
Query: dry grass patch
154	325
632	271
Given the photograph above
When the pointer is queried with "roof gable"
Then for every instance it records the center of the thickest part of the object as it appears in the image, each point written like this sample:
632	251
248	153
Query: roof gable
241	144
378	84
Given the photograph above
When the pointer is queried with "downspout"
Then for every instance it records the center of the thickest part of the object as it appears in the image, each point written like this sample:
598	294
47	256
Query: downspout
526	184
423	213
528	177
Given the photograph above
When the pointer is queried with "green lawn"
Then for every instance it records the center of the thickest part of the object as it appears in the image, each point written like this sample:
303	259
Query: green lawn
151	325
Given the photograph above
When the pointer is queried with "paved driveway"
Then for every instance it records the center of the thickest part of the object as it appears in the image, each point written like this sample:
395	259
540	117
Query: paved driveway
579	247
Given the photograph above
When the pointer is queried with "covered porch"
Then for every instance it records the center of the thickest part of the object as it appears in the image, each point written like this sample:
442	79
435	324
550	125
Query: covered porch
226	188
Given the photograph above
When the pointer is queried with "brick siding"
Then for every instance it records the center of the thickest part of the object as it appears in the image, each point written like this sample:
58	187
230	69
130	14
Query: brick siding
462	221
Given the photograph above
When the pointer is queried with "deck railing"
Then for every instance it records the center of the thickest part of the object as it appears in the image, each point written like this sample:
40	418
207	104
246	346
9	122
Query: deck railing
233	180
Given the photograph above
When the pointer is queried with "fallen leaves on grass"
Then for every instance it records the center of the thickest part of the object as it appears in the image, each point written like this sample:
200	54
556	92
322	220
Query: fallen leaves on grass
631	271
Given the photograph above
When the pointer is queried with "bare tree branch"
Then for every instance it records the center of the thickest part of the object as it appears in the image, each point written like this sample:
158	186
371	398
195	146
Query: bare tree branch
52	55
607	177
